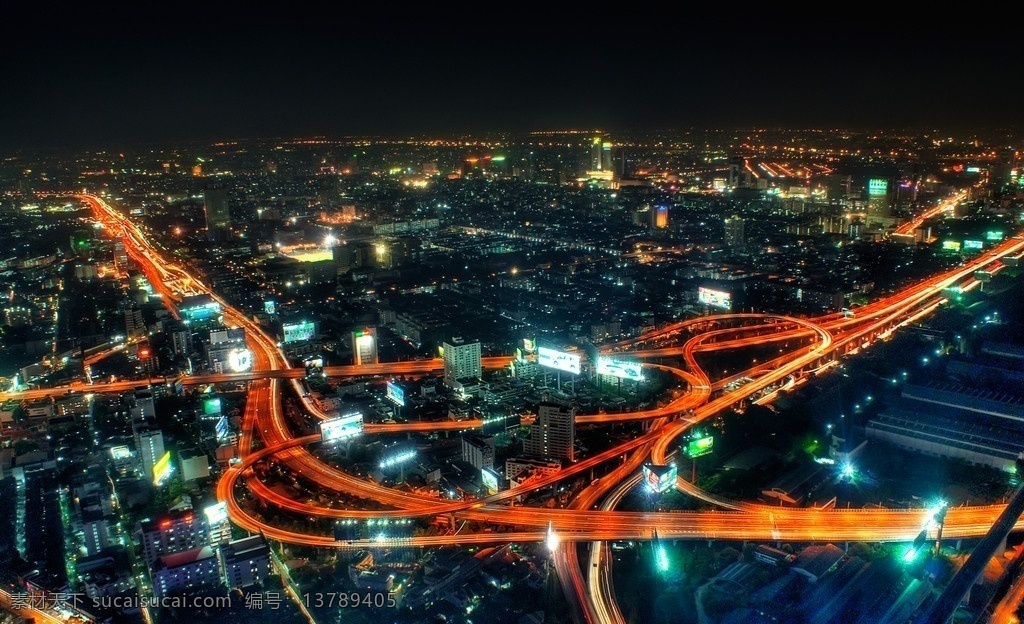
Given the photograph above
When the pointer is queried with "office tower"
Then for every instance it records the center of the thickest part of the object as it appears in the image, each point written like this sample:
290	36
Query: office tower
191	570
735	237
218	215
134	325
364	346
245	561
553	434
461	360
737	165
173	532
149	443
181	339
95	532
659	217
879	209
595	153
478	451
120	257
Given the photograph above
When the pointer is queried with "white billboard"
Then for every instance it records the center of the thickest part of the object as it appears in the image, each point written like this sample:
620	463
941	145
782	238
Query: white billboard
622	370
341	428
714	298
240	360
568	362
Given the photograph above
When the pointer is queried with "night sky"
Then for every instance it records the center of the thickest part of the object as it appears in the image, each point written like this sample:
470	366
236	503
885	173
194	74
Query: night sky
87	79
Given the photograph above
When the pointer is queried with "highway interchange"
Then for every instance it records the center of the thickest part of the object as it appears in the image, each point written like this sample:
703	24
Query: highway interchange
591	516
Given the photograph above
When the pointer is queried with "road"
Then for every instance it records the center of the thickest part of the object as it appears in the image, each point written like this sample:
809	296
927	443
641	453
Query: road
830	335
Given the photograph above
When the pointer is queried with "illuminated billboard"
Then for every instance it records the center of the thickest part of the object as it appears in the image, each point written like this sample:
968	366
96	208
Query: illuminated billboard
221	429
200	308
568	362
162	469
529	345
216	513
211	407
974	244
240	360
698	447
622	370
120	453
950	245
714	298
299	332
660	478
341	428
994	235
878	186
489	479
396	394
270	307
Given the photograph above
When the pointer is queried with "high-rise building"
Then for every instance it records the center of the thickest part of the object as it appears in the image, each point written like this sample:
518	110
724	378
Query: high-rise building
149	443
186	572
461	360
218	214
120	257
364	346
95	532
134	325
477	451
879	207
245	561
659	217
173	532
553	434
735	236
194	464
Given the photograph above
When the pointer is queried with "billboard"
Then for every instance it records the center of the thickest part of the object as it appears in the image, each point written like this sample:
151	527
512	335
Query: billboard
698	447
878	186
622	370
120	453
974	244
216	513
396	394
660	478
341	428
568	362
162	469
714	298
270	307
950	245
529	345
221	429
489	479
299	332
240	360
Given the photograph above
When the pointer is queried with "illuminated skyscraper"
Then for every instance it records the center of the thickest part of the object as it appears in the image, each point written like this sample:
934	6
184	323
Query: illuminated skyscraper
553	434
218	215
879	208
461	360
735	236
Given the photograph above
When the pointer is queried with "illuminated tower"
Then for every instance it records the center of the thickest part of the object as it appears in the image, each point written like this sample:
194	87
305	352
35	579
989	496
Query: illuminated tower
596	146
879	209
218	215
461	360
735	237
364	346
553	434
